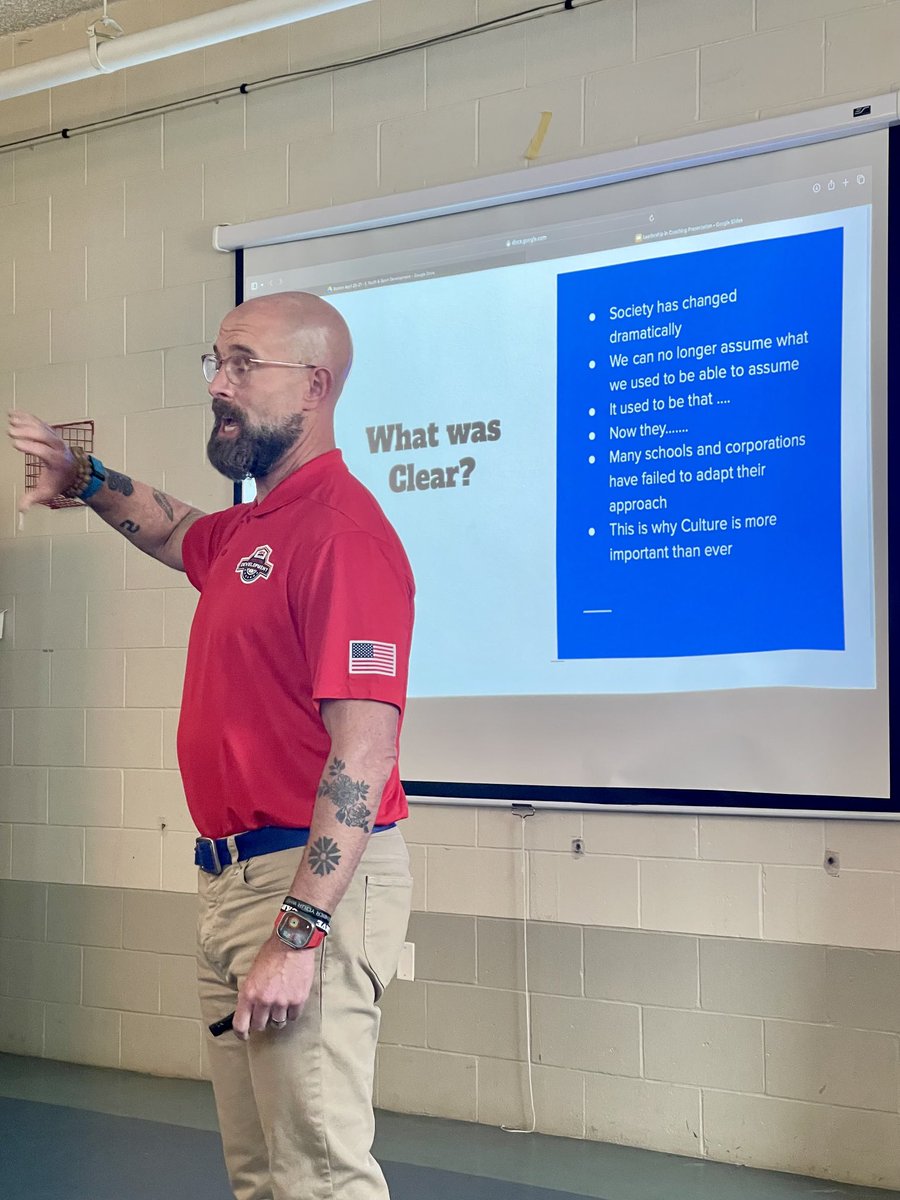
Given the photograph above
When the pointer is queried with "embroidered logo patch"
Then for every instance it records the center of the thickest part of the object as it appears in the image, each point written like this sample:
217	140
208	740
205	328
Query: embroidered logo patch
257	565
373	658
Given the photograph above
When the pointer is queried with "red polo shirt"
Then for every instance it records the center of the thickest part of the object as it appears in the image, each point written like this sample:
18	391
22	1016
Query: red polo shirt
305	596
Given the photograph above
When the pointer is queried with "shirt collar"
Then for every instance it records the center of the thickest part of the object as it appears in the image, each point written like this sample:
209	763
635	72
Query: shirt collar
299	483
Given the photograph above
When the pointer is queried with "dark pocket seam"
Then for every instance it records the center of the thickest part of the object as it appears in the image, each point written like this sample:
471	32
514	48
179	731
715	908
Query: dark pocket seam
393	881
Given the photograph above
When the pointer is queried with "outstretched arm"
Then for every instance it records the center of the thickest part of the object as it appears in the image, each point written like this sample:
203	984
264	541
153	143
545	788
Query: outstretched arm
154	522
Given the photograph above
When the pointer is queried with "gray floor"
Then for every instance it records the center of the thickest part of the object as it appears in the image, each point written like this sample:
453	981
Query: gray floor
82	1133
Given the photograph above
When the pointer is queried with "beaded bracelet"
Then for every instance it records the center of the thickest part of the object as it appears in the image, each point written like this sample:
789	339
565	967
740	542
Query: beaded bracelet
81	480
96	480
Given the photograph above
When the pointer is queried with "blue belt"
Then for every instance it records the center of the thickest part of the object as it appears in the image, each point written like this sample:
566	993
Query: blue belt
213	855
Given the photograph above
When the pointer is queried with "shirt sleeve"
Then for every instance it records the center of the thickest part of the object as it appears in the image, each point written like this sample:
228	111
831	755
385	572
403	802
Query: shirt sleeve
356	619
202	542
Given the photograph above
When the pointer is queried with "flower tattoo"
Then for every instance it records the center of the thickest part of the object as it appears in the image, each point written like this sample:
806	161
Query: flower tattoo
348	797
324	856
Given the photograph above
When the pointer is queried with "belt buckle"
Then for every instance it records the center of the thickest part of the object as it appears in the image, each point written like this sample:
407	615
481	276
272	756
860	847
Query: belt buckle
205	844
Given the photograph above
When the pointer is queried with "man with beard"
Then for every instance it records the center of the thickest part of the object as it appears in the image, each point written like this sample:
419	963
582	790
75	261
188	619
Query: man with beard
293	696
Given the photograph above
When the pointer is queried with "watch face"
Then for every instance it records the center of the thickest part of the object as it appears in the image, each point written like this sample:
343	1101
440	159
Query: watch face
295	930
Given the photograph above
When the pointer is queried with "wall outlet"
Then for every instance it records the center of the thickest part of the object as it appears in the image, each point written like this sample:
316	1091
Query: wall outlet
406	968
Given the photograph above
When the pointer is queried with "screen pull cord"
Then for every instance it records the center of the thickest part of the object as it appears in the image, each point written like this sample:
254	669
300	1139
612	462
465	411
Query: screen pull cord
523	811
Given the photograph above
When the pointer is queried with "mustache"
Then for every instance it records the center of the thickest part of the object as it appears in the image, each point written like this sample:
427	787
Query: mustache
223	411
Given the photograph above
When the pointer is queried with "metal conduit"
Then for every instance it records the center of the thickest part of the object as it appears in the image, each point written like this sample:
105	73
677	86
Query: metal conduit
130	50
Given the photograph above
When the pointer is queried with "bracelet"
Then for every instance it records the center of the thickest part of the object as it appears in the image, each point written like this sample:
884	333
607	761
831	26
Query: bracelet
97	480
83	474
319	918
90	478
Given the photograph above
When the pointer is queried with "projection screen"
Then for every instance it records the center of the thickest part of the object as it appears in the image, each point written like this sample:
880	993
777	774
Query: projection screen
634	437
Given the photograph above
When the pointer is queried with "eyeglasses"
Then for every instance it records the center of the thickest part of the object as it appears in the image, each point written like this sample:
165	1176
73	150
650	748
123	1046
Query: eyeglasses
238	366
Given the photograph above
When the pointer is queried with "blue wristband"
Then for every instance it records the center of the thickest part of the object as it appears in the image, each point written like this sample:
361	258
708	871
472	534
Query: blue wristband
97	479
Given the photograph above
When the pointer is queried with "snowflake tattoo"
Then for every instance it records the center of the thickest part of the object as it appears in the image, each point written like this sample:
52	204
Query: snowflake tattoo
324	856
348	797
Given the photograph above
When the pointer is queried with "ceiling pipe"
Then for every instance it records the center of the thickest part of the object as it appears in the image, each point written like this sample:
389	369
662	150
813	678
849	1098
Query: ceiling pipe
130	50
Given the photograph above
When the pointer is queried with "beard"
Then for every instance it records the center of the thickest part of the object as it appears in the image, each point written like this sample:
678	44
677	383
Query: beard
254	451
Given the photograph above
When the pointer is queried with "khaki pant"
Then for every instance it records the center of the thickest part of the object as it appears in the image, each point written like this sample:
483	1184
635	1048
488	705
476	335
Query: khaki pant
295	1105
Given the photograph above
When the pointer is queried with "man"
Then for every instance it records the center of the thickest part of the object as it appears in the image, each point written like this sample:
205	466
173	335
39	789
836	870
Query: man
293	696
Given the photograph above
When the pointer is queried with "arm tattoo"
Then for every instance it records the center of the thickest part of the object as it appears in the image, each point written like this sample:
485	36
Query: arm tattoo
129	527
347	797
117	482
163	502
323	856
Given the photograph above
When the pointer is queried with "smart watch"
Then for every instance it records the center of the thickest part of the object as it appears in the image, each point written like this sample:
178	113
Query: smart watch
301	926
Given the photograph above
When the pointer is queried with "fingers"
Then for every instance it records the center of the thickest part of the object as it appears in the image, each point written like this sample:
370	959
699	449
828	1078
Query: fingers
28	444
253	1018
23	425
29	435
275	990
257	1017
260	1018
39	494
242	1014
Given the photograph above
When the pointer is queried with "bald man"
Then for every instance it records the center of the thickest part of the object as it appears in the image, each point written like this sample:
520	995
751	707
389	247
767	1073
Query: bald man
294	691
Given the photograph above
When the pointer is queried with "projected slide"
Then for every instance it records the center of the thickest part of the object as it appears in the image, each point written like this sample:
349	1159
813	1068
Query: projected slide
699	452
638	469
641	470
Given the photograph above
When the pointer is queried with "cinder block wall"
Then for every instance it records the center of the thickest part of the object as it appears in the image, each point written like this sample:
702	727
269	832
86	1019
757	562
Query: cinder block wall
699	986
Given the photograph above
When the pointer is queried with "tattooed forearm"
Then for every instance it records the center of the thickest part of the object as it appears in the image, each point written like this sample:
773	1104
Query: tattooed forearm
323	856
117	482
347	797
129	527
163	502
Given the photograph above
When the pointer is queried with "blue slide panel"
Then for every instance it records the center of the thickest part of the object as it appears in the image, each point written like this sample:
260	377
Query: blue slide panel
699	452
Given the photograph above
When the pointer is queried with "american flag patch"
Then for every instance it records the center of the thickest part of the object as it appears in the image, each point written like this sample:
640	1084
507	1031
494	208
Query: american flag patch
373	658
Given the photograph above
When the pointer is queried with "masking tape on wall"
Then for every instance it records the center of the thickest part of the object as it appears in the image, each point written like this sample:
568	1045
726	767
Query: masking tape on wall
534	146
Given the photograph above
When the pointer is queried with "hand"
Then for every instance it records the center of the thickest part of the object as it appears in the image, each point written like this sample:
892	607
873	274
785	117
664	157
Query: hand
276	988
58	468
